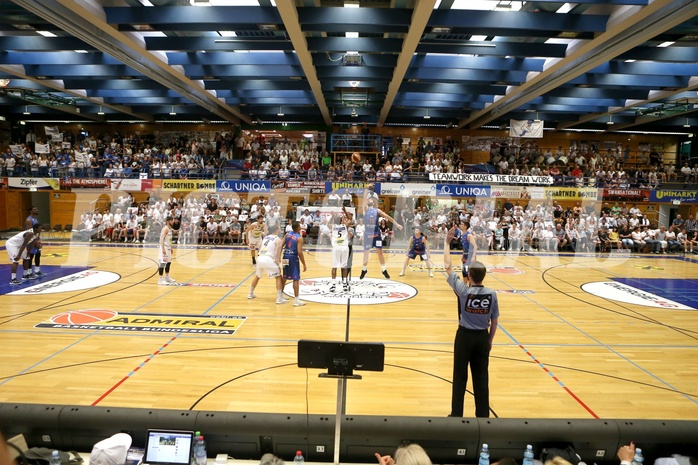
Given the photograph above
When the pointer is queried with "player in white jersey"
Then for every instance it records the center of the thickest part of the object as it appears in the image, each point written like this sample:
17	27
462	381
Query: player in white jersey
341	236
165	254
255	232
268	261
18	247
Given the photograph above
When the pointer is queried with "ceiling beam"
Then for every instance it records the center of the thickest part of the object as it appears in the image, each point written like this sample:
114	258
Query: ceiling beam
58	85
289	15
620	37
420	18
86	21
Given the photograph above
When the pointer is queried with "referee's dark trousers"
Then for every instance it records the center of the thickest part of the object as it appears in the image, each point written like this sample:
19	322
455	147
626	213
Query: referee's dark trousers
471	347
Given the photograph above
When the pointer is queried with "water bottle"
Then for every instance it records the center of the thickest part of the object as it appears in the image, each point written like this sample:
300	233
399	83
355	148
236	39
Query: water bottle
484	455
637	460
195	447
528	455
55	458
298	458
200	454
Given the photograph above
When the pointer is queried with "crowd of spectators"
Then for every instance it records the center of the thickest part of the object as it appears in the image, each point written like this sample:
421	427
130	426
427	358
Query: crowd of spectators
589	166
547	226
125	156
511	226
116	156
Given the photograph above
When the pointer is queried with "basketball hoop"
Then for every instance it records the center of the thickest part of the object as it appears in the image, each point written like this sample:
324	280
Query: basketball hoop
4	82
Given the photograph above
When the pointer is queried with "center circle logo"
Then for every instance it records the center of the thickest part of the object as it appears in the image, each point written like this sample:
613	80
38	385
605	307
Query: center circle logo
367	291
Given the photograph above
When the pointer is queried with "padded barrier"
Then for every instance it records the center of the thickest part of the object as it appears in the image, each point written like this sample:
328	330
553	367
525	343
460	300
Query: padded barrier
446	440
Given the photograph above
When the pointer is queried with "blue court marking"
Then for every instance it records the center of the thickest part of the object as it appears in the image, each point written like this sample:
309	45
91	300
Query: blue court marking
683	291
229	292
600	344
52	272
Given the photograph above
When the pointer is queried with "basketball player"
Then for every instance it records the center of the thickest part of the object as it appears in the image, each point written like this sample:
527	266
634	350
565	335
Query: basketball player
418	247
268	261
35	252
467	240
340	236
293	254
17	249
256	232
165	254
372	234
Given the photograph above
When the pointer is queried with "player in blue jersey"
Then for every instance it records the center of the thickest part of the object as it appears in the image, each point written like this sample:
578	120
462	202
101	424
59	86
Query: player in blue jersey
372	233
467	240
35	249
293	258
418	247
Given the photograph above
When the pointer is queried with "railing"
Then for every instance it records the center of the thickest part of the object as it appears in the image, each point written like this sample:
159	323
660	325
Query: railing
356	143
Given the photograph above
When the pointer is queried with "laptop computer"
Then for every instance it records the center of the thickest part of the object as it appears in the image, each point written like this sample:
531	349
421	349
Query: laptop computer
168	447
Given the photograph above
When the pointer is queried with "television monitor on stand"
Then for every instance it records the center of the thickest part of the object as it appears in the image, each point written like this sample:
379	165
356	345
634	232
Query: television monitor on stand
340	359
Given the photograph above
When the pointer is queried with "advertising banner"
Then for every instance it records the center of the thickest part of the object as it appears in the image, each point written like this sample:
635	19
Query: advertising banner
408	189
236	185
126	185
493	178
460	190
299	187
632	195
85	183
34	183
571	193
671	196
354	188
188	185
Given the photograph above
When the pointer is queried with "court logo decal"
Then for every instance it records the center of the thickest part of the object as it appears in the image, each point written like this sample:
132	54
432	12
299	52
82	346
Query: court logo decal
504	270
515	291
82	280
109	320
649	267
631	295
367	291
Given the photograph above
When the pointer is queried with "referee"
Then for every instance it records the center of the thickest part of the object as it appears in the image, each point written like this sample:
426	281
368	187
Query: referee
478	312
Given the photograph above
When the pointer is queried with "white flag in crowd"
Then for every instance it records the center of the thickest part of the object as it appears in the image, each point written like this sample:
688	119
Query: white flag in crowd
526	128
42	148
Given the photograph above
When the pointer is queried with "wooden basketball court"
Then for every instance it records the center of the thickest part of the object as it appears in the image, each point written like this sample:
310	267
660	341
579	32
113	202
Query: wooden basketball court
561	352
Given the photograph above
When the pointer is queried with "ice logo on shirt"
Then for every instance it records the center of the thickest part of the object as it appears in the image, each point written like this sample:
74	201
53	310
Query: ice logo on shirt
477	303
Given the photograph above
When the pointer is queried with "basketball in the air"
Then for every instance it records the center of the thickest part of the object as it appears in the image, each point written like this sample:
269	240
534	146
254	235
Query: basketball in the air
356	157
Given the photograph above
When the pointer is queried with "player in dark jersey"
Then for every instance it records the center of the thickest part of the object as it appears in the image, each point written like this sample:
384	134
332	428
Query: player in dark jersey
292	259
468	243
35	248
418	247
372	234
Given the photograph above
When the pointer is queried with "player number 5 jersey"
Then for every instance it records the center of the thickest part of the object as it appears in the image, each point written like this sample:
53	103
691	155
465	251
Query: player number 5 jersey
340	235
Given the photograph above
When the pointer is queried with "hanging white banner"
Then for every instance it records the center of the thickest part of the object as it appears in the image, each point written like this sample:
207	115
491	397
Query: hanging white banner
526	128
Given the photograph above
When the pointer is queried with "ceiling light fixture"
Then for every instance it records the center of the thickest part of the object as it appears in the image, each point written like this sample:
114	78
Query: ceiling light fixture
280	113
610	120
353	113
100	112
354	83
172	112
26	110
687	125
426	115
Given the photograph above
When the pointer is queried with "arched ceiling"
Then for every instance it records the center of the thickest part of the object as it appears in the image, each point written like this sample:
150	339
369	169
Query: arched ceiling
448	63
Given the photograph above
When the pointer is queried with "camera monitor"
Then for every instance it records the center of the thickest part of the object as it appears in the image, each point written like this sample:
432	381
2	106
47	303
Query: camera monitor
341	358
